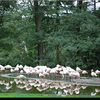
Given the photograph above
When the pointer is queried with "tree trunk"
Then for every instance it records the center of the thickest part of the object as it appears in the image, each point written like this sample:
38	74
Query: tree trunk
38	28
58	54
79	5
58	51
94	5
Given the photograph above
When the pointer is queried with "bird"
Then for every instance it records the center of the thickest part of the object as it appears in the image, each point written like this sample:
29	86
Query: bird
93	74
21	76
97	90
16	69
8	87
71	74
2	68
77	74
41	75
93	93
78	69
8	66
66	91
62	73
53	71
20	66
21	71
84	72
84	86
97	72
11	70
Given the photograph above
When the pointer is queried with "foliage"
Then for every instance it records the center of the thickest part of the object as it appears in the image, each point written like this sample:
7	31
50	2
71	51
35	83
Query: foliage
76	34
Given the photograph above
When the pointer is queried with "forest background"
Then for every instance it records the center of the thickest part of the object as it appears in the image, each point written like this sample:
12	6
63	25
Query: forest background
46	32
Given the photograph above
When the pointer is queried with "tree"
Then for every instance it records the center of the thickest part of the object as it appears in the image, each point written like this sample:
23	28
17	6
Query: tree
38	27
4	6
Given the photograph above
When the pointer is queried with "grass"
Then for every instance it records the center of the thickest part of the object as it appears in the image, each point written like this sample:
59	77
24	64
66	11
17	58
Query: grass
39	95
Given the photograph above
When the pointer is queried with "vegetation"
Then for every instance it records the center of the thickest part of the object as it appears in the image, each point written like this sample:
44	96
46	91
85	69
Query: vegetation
39	95
45	32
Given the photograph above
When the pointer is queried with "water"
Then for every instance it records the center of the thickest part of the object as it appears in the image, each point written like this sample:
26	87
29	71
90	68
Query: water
48	85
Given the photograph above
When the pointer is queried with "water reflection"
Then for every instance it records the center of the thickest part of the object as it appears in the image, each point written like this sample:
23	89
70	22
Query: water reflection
21	84
45	86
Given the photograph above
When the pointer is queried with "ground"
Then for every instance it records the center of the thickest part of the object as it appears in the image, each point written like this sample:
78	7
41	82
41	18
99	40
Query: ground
38	95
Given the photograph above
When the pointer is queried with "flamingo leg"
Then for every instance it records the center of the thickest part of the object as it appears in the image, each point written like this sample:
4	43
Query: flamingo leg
71	78
52	76
65	77
84	75
77	79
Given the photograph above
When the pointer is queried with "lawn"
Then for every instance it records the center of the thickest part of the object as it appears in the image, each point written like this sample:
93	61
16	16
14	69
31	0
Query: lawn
39	95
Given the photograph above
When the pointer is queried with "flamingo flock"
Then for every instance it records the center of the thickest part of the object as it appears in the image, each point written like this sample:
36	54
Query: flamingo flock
44	71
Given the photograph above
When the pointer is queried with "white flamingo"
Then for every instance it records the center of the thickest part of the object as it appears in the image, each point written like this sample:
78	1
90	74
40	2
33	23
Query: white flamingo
78	69
93	93
21	71
93	74
11	70
97	72
84	72
21	76
16	69
41	75
2	68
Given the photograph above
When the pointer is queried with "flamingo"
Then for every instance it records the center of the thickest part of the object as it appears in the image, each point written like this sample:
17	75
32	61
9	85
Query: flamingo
78	69
84	86
11	70
66	91
28	88
62	73
71	74
21	71
97	72
45	73
2	68
97	90
93	93
8	87
41	75
84	72
16	69
58	65
93	74
8	67
20	66
77	74
21	76
53	71
65	72
28	72
69	69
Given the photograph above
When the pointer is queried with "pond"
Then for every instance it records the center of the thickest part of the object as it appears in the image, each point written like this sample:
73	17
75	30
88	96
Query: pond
45	80
10	83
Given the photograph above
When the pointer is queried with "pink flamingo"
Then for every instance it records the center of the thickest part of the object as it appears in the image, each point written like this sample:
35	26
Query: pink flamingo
84	72
97	72
93	74
78	69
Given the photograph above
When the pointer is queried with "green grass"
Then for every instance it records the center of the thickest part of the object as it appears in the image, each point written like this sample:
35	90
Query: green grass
39	95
